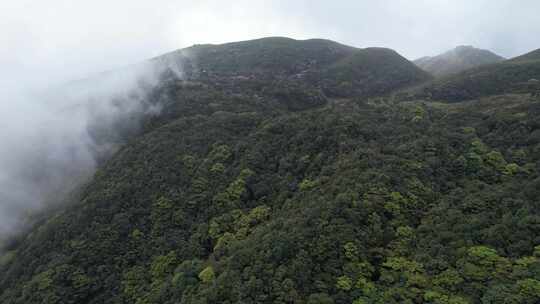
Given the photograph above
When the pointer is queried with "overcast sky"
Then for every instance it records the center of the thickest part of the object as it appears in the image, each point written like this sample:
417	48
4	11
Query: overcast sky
54	40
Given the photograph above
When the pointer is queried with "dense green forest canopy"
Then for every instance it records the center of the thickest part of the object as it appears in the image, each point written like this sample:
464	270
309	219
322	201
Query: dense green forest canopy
285	171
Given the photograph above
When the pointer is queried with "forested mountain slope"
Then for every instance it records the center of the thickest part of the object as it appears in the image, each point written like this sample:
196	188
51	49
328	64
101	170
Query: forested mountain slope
232	195
456	60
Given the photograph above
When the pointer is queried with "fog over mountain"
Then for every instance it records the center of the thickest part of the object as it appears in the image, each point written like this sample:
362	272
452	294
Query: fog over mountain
53	138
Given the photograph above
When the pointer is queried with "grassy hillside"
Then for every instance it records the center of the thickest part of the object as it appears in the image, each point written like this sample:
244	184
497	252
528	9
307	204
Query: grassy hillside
459	59
512	76
233	195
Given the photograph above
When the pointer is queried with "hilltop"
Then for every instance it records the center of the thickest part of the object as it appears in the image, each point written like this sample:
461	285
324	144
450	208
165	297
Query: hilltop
456	60
517	75
336	69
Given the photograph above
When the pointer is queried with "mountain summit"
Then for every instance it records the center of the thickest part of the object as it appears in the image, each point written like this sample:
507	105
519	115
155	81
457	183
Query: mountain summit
338	70
461	58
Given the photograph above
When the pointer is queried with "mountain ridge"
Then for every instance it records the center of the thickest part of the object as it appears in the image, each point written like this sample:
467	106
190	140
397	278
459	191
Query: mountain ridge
308	61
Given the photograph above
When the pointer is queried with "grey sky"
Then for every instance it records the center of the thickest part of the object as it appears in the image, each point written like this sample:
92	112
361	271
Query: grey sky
49	40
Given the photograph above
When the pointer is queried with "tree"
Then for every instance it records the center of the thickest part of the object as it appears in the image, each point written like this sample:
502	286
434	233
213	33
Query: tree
207	275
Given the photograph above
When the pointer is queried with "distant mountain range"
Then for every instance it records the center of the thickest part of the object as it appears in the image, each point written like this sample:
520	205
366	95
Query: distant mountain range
517	75
456	60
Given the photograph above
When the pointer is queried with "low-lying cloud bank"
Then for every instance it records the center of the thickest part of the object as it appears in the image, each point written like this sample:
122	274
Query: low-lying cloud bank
51	140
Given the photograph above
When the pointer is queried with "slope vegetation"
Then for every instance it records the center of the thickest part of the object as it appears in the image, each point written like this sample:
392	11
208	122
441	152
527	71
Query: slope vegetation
370	72
349	202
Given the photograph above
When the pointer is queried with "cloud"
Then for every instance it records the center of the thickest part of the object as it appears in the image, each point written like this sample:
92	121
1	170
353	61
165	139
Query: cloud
52	139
